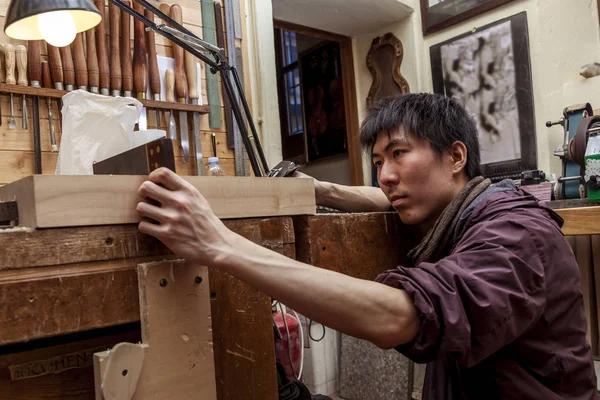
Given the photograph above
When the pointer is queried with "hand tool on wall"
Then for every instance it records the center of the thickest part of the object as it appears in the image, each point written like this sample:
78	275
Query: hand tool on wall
9	56
92	61
181	86
191	72
140	68
81	73
21	60
126	66
114	14
153	66
56	69
2	74
47	83
35	77
170	90
229	128
68	71
102	51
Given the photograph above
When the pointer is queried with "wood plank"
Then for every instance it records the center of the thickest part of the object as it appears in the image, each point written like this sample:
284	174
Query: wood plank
55	247
73	377
580	221
61	200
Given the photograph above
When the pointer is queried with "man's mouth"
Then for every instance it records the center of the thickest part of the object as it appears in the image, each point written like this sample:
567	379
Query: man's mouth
397	200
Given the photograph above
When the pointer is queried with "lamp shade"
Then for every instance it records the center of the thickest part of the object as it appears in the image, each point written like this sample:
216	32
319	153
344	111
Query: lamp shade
22	16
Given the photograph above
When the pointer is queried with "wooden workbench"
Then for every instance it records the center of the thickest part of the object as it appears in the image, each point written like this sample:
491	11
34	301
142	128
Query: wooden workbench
68	292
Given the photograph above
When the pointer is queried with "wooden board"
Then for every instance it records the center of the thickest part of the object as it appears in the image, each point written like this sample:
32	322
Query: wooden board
580	221
177	330
47	201
57	369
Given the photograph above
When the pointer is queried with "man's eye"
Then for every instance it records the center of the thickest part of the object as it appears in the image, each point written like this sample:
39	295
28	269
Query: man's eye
396	153
377	163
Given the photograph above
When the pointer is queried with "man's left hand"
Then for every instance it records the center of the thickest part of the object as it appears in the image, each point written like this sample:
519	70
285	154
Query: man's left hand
181	218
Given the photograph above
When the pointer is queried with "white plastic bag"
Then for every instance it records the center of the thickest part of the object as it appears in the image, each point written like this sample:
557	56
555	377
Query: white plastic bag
94	127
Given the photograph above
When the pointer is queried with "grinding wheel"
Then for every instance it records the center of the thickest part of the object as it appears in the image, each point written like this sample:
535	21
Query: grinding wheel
578	144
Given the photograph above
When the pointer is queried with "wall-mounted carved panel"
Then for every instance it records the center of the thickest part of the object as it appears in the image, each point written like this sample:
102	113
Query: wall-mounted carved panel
384	60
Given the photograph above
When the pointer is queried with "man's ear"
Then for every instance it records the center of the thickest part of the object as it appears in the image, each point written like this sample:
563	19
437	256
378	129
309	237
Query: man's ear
458	155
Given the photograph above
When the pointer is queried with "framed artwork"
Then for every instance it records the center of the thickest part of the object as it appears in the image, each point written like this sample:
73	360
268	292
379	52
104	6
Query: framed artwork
440	14
488	70
323	101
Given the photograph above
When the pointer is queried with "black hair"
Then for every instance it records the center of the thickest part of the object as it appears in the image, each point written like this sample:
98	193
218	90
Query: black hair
438	119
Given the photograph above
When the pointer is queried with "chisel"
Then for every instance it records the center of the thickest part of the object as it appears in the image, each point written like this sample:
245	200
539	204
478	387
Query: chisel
56	68
170	90
47	83
92	61
21	60
126	67
140	69
114	13
181	86
35	76
81	73
192	79
68	71
153	73
9	56
102	51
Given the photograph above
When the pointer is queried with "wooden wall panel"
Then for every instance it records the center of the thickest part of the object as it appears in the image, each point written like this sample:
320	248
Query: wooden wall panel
16	146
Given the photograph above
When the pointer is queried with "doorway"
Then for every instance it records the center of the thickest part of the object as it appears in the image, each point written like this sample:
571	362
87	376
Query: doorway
317	102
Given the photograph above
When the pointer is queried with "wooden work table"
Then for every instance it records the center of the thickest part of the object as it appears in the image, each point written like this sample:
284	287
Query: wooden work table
70	291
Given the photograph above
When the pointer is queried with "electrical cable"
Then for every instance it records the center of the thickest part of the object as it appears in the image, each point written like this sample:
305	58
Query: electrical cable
289	343
310	332
301	344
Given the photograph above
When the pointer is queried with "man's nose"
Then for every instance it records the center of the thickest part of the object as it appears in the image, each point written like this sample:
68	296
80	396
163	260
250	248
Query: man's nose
388	176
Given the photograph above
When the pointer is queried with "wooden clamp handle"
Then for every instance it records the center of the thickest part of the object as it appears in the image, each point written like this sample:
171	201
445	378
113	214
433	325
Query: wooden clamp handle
192	76
81	73
170	82
153	73
140	69
92	60
68	70
46	78
9	56
21	60
178	53
56	69
2	69
126	67
115	57
102	51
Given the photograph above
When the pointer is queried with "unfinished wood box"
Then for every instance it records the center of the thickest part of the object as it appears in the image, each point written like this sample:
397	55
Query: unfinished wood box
50	201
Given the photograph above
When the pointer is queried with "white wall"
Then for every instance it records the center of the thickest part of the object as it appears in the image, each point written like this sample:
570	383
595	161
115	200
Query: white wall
563	36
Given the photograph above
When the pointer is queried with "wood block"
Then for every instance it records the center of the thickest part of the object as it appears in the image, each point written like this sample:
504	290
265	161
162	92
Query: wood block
47	201
178	362
580	221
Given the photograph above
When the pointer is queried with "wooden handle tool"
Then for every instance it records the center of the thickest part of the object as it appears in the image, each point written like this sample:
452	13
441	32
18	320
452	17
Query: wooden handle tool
115	56
47	83
21	61
92	61
2	69
153	74
102	51
68	71
9	57
178	53
81	73
126	66
56	68
140	68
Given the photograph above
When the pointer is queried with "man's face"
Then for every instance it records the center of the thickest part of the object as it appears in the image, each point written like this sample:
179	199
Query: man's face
418	183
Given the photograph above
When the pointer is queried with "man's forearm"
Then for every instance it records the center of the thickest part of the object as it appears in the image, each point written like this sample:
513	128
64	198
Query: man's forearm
352	198
360	308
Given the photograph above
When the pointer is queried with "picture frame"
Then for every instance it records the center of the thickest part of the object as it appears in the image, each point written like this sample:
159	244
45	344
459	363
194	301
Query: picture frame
437	15
323	101
478	69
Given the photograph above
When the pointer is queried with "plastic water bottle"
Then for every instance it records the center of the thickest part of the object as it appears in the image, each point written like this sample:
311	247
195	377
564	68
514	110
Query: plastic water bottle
213	168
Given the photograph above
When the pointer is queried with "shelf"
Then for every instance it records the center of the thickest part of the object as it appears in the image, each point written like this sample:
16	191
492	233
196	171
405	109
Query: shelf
42	92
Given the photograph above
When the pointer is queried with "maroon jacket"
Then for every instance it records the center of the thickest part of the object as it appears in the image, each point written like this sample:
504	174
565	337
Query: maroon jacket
502	315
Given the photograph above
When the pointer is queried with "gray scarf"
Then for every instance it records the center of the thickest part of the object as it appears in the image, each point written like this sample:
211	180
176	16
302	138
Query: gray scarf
439	240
